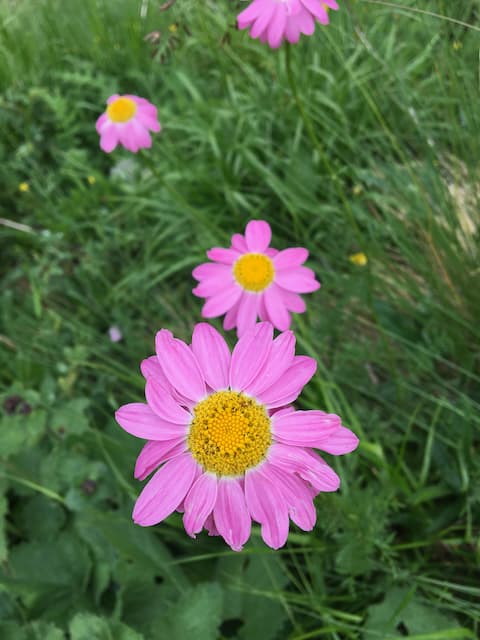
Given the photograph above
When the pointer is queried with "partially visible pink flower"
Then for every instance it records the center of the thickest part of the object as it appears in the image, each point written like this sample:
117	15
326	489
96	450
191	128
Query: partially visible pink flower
224	441
251	279
273	21
127	121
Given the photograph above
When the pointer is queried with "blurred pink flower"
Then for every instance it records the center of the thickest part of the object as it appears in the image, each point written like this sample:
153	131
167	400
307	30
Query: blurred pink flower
252	279
115	334
225	443
273	21
127	120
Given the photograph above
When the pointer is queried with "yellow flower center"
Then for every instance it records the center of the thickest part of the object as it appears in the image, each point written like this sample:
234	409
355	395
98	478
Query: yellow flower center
121	110
229	433
254	271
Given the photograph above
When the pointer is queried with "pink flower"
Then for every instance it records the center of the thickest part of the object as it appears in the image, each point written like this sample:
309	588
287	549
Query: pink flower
275	20
127	120
224	443
252	279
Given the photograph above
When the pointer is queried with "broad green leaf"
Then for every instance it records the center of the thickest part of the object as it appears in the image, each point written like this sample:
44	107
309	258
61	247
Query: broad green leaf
402	613
86	626
21	431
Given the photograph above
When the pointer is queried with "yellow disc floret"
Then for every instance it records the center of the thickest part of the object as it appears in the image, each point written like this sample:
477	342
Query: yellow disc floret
121	110
254	271
229	433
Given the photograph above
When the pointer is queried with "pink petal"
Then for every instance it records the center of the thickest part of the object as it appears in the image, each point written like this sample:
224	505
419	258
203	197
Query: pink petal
293	301
212	354
101	122
308	465
230	514
109	138
279	360
238	243
214	285
276	309
267	506
127	136
288	258
162	403
210	270
140	421
150	368
230	319
199	503
249	355
276	28
298	279
165	491
154	453
180	365
341	442
248	15
210	526
218	304
261	23
288	387
305	428
247	312
317	9
297	495
258	235
225	256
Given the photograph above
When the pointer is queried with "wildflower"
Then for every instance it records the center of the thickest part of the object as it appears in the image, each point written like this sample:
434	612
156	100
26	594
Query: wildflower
359	259
252	279
357	190
127	120
24	187
273	21
115	334
91	180
173	28
457	45
228	445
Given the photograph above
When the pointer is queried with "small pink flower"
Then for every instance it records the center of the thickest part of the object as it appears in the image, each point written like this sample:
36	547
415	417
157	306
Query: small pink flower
127	120
252	279
115	334
225	443
273	21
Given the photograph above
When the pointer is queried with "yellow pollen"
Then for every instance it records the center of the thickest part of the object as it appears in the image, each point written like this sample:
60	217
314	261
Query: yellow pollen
254	271
24	187
229	433
121	110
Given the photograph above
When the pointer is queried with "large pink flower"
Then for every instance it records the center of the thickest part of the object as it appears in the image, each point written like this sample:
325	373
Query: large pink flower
225	444
273	21
127	120
251	279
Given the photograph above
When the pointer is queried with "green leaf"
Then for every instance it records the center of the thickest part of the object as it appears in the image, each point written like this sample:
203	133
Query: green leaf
40	518
198	613
3	511
86	626
402	613
253	585
70	418
21	431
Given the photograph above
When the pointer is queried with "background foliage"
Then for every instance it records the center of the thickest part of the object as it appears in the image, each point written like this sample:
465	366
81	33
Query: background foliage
94	241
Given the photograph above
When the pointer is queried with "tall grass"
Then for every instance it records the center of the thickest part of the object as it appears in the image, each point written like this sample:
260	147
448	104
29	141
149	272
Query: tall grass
389	92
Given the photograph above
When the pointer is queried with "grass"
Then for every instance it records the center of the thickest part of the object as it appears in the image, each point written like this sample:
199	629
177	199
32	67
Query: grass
370	145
